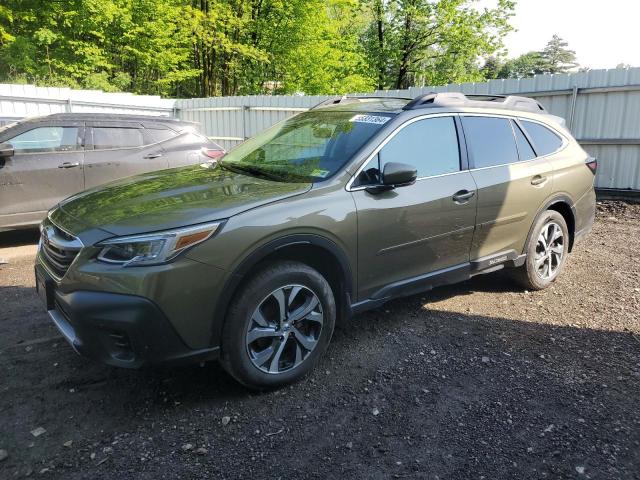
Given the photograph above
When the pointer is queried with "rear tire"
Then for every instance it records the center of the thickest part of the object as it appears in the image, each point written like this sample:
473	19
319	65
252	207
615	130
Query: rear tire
278	325
547	250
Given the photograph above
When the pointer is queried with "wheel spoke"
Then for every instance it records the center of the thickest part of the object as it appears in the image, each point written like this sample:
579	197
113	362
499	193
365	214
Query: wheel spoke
315	317
292	295
274	366
307	342
263	356
558	250
282	304
257	333
305	309
540	261
551	233
298	354
258	317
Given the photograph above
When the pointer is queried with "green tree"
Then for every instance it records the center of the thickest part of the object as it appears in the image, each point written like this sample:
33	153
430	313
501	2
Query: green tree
432	41
92	43
557	57
526	65
554	58
237	47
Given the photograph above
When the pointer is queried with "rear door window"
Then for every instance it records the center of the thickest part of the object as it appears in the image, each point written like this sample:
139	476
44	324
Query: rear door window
155	135
47	139
490	141
430	145
524	147
116	137
544	140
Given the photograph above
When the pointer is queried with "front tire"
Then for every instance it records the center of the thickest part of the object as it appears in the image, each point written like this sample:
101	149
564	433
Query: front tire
278	325
546	250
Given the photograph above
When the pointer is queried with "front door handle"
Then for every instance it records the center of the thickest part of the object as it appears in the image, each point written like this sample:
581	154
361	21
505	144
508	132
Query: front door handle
69	165
538	180
153	155
463	196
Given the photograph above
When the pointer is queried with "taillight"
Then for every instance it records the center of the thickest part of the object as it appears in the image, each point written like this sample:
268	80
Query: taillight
592	163
213	153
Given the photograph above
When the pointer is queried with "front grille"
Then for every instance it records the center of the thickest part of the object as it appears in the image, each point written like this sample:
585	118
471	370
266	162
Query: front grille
58	249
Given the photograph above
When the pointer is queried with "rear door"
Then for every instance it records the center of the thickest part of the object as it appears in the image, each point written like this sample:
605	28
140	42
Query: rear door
120	149
411	231
47	167
185	148
512	184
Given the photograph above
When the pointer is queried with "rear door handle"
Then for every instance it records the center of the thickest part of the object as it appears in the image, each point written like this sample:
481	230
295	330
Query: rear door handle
463	196
538	180
153	155
69	165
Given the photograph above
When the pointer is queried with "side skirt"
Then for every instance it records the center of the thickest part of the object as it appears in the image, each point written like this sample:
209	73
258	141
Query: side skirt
445	276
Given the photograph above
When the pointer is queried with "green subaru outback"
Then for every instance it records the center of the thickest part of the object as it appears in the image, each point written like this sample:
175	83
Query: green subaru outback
251	260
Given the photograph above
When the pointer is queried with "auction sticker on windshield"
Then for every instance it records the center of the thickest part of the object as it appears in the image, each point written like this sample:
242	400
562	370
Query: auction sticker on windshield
378	120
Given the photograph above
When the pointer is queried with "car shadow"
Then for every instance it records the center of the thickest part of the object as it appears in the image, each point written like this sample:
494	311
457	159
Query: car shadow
17	238
427	370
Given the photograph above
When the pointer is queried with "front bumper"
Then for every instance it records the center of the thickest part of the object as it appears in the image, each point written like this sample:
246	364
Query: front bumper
116	329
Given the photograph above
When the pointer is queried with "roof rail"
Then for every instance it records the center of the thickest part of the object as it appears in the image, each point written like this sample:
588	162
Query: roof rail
457	99
345	99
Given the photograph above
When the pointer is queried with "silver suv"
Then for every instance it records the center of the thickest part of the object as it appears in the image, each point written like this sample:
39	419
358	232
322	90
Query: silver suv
46	159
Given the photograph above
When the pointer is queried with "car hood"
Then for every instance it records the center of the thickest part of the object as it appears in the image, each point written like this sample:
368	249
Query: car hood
170	199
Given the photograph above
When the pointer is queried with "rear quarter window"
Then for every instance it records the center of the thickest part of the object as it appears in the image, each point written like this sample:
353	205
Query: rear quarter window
544	140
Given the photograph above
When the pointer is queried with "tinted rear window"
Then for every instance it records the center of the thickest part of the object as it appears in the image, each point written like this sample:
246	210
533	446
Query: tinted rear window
489	141
114	137
154	135
524	147
544	140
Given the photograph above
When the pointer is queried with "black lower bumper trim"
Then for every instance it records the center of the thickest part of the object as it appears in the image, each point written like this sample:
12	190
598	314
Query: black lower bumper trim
121	330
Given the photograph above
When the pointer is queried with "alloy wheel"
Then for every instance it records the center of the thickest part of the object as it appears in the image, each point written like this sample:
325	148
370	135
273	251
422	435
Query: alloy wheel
549	250
284	329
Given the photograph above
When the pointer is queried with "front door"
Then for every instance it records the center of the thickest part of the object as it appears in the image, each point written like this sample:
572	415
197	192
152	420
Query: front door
412	231
47	166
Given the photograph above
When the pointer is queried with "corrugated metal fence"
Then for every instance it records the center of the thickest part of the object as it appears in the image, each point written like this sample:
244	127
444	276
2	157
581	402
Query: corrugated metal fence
602	109
19	101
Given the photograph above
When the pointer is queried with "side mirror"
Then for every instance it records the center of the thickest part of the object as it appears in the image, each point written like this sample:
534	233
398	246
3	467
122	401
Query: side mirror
399	174
395	175
6	150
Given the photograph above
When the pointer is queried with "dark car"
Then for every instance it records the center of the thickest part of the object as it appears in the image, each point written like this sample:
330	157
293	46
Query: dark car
46	159
331	212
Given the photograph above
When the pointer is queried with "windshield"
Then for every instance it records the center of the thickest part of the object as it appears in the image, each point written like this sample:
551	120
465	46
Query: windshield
311	146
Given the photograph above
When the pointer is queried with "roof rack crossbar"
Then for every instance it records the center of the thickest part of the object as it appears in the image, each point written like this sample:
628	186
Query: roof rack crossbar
457	99
344	99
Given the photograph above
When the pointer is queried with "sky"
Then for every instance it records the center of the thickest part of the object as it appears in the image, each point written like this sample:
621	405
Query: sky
603	33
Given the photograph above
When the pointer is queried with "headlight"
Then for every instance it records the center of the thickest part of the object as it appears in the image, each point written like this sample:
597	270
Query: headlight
154	248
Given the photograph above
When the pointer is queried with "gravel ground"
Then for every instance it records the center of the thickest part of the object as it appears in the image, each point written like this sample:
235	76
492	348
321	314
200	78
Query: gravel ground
479	380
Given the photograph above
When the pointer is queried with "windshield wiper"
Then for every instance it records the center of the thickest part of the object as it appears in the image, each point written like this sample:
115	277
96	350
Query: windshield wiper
251	171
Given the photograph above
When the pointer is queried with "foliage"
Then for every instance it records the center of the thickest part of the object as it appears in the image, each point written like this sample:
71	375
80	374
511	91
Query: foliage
556	57
431	42
526	65
230	47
